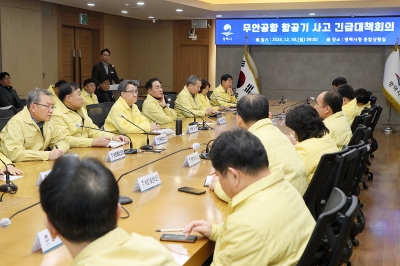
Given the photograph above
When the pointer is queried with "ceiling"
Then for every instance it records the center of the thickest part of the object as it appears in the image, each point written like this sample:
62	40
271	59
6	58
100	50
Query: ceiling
201	9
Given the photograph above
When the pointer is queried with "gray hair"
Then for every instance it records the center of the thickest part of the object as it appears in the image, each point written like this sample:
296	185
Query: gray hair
193	80
123	84
34	96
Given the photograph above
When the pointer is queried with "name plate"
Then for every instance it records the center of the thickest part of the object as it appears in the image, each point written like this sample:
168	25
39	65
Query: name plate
192	129
221	121
192	159
115	154
160	139
146	182
44	242
42	176
274	121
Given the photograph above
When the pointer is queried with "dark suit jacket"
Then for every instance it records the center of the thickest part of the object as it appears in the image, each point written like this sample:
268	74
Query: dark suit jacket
6	98
98	72
104	96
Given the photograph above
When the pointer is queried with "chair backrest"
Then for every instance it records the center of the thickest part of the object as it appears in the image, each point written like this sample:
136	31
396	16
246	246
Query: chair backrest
349	166
107	107
373	99
316	251
209	94
363	119
97	113
170	99
3	122
322	183
139	104
6	113
376	113
364	148
362	133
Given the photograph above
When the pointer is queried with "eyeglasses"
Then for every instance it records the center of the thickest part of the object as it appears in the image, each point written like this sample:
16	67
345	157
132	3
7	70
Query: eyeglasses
47	106
133	91
7	78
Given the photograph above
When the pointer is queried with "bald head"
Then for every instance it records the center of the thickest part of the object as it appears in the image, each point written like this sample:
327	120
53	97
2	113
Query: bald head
253	107
328	103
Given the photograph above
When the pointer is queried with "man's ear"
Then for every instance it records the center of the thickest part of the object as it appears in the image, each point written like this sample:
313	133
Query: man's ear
240	121
236	177
269	115
53	231
118	211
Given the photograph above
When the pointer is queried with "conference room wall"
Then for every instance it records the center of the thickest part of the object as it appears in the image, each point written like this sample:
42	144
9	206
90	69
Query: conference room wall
296	72
21	43
152	51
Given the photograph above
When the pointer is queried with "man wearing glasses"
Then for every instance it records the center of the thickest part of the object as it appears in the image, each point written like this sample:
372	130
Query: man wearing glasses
126	106
104	69
30	135
9	96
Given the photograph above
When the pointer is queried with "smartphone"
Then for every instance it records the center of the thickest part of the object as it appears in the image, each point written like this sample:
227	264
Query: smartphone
192	190
178	238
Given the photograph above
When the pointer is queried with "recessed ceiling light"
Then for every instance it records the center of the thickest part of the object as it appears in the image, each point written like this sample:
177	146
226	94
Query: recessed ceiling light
151	17
179	10
124	11
90	4
218	16
140	3
312	14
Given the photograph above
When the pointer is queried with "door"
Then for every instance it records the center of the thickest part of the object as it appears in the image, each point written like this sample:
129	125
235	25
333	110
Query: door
195	61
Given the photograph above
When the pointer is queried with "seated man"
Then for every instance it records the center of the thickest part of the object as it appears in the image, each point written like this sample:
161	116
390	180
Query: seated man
337	82
103	93
72	195
70	112
154	107
223	94
9	96
89	97
363	98
253	115
188	99
30	135
329	108
349	107
268	222
126	106
54	90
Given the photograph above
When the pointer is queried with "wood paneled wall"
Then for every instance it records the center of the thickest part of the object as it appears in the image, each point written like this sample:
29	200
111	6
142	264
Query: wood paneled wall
21	43
49	44
152	52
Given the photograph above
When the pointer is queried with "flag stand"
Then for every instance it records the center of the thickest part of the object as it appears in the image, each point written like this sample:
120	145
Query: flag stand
388	129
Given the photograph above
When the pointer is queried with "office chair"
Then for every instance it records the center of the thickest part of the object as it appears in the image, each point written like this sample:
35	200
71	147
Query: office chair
209	94
3	122
317	249
372	100
170	99
97	114
364	119
362	133
139	104
107	107
6	113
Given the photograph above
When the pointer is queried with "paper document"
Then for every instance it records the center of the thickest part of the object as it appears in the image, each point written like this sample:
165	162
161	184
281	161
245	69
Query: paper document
115	144
12	177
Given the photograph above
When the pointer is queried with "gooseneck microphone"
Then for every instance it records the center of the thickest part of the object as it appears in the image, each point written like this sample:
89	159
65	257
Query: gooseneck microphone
307	101
203	127
222	99
131	150
146	147
5	222
9	186
205	155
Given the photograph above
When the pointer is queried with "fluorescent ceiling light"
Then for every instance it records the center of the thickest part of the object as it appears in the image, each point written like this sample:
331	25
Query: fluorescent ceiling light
140	3
219	16
151	17
124	11
90	4
312	14
179	10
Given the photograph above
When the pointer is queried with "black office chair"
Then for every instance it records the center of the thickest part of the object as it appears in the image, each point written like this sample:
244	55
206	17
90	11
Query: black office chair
107	107
139	104
6	113
170	99
3	122
209	94
318	248
322	183
364	119
97	114
364	149
23	102
373	100
362	133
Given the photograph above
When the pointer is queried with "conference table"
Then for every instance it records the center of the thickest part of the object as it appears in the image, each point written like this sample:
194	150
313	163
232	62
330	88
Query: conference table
160	207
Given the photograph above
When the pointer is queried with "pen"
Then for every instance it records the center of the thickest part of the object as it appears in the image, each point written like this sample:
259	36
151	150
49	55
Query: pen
170	230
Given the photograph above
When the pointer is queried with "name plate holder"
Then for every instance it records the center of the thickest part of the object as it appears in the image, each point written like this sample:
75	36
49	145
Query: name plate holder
160	139
191	159
44	242
192	129
147	182
42	176
115	154
221	121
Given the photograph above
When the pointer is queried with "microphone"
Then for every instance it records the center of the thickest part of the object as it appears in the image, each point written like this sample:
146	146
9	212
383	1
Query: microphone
283	100
146	147
283	115
187	111
131	150
195	146
5	222
9	186
222	99
204	155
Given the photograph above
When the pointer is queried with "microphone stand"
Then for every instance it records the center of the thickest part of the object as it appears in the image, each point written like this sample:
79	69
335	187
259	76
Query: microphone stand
203	127
131	150
9	186
146	147
282	115
205	155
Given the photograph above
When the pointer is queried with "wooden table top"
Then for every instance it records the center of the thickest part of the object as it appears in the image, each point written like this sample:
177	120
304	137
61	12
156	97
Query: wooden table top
160	207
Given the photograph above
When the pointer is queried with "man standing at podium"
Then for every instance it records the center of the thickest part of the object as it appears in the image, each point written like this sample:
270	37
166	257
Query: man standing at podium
104	68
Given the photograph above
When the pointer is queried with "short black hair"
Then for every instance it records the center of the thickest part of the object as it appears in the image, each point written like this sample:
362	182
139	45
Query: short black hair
305	121
225	77
80	198
3	75
204	84
105	50
253	107
231	149
59	83
66	89
339	81
88	81
346	91
104	79
149	83
362	95
333	100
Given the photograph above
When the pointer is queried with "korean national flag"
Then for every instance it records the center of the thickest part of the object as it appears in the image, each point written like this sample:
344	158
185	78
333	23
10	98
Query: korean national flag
248	77
391	79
